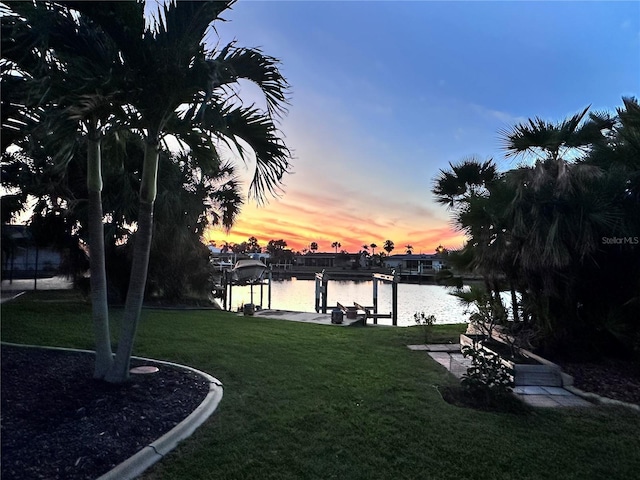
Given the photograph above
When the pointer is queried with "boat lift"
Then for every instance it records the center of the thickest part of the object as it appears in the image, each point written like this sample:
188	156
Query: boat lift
322	283
228	283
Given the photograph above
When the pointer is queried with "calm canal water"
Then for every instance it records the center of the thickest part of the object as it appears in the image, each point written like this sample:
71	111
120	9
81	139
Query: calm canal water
299	295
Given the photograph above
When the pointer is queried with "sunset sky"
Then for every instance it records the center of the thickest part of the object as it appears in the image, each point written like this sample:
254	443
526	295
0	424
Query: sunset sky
384	94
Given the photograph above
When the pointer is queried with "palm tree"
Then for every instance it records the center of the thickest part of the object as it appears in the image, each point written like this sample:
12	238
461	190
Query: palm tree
409	249
171	62
373	248
253	245
313	247
476	194
468	179
169	83
365	249
388	246
336	245
86	102
560	211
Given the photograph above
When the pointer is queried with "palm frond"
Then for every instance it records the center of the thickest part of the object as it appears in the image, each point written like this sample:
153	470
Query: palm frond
238	126
232	64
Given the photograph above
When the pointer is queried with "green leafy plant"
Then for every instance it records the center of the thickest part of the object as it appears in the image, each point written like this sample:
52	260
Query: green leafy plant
487	377
486	385
426	322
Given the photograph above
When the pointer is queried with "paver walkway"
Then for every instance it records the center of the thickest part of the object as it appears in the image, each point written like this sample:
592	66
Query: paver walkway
449	356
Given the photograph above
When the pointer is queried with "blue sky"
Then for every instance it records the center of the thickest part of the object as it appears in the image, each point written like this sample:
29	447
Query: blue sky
384	94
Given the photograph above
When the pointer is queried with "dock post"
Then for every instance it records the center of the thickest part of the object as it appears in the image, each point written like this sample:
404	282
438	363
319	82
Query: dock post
230	295
225	286
269	289
317	293
325	284
375	300
261	292
394	301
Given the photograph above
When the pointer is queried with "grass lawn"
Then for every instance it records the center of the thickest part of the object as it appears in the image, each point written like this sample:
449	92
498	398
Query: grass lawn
319	402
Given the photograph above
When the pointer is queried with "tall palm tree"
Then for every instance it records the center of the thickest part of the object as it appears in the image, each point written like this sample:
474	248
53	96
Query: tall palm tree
373	248
336	245
475	192
388	246
409	249
169	83
171	69
65	104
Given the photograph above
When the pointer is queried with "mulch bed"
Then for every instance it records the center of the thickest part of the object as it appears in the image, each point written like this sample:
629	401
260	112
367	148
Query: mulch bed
612	378
57	422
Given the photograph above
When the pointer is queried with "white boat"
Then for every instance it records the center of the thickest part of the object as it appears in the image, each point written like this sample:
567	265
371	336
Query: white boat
246	271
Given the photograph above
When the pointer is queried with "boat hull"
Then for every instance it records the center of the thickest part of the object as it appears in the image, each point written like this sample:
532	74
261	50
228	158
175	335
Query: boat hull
247	271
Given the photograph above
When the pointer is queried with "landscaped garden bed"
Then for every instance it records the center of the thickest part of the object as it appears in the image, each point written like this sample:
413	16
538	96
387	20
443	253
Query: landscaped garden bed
526	367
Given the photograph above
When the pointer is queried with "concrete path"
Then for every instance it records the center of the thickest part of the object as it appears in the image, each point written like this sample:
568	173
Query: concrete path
17	287
449	356
306	317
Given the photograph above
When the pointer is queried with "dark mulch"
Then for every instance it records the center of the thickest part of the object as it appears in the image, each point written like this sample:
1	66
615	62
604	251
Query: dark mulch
612	378
59	423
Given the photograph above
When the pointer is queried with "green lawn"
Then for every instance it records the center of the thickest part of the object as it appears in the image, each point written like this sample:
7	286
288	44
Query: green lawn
320	402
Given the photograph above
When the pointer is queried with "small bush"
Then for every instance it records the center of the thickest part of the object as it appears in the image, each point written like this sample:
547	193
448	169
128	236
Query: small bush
486	385
426	322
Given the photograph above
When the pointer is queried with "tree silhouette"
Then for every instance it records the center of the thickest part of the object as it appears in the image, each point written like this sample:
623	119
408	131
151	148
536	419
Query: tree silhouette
336	245
388	246
409	249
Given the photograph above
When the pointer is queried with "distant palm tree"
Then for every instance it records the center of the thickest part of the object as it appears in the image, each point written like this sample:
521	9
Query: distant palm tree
373	248
365	249
388	246
336	245
409	249
313	247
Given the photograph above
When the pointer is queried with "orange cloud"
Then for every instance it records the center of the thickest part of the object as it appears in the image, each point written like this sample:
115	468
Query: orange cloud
302	219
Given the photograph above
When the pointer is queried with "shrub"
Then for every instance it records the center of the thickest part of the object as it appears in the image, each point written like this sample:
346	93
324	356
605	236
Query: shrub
426	322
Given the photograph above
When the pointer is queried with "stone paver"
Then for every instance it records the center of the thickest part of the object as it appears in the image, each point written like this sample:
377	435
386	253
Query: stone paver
530	390
539	400
418	348
572	400
558	391
534	395
442	358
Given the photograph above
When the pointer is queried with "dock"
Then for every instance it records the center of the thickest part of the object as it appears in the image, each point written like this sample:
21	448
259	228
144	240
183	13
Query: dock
306	317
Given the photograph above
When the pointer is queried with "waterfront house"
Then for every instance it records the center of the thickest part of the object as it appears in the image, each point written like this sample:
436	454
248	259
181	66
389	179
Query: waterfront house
415	263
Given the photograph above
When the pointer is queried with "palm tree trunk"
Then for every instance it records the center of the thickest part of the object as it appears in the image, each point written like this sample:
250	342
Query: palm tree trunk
99	306
138	279
514	302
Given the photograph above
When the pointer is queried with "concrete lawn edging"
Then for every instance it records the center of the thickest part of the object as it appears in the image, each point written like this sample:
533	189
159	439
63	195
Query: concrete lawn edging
593	397
156	450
